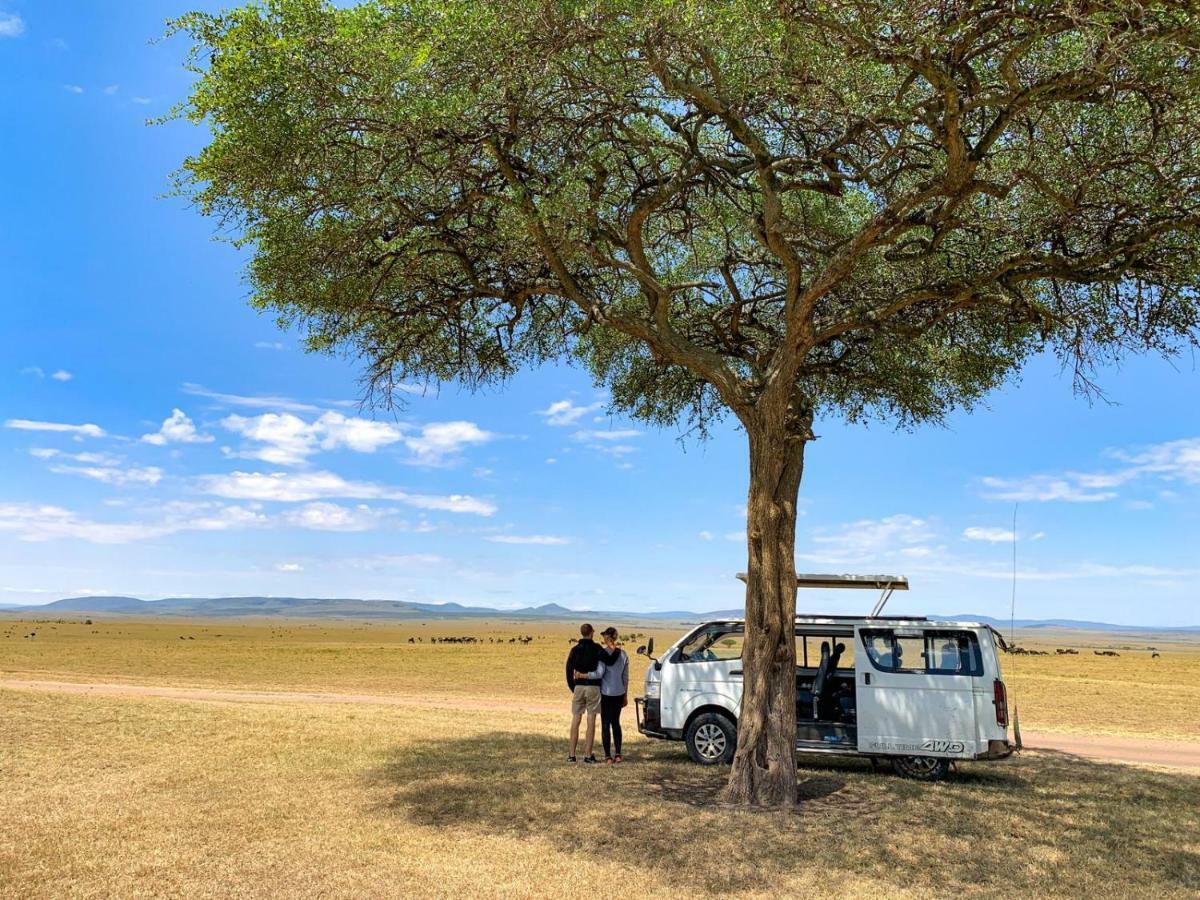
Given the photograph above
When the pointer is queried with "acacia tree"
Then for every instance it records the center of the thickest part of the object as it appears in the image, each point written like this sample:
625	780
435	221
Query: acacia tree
780	211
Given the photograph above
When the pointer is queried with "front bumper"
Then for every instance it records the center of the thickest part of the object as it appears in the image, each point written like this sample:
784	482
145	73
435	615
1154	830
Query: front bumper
649	717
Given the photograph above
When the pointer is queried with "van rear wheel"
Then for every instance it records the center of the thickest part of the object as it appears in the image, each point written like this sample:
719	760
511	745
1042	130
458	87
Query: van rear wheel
711	738
921	768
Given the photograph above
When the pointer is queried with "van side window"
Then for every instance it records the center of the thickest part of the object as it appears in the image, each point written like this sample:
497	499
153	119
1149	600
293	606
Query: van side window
713	643
931	653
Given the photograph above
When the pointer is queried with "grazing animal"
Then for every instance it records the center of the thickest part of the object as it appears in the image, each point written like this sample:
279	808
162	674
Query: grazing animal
1155	655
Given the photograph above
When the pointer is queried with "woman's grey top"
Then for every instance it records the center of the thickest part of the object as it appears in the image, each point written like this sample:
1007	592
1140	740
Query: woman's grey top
615	680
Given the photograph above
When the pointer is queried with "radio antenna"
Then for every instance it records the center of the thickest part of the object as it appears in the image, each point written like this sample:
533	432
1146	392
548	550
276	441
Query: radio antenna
1012	611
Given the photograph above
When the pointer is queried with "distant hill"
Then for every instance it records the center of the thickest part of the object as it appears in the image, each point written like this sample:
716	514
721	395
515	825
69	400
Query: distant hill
324	607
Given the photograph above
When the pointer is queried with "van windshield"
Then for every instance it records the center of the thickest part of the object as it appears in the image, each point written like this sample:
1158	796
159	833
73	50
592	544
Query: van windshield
714	642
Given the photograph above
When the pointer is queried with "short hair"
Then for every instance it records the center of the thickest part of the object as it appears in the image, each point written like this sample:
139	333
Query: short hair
610	631
585	629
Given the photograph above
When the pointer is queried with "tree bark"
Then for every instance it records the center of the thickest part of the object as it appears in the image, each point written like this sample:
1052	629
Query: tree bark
764	766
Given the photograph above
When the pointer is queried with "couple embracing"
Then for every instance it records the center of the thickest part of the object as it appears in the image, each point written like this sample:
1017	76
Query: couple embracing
598	676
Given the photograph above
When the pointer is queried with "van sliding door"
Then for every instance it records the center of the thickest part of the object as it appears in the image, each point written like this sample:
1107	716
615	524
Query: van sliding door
915	691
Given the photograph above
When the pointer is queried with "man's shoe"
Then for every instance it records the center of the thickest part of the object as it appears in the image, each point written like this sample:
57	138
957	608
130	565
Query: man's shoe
590	759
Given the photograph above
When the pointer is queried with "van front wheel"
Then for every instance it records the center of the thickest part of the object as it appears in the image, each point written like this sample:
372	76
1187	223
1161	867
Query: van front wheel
921	768
711	738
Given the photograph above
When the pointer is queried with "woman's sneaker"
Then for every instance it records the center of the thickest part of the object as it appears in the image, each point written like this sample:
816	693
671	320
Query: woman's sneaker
571	759
590	759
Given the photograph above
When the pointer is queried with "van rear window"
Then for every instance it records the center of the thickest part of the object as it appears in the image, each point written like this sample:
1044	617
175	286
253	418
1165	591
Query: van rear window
930	652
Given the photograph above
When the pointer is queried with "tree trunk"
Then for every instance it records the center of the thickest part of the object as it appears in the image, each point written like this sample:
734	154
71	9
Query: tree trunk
764	767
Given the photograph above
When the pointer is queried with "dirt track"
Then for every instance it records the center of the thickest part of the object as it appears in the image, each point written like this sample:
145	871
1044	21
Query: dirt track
1145	751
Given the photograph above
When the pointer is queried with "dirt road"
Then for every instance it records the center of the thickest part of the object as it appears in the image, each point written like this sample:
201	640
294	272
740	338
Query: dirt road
1145	751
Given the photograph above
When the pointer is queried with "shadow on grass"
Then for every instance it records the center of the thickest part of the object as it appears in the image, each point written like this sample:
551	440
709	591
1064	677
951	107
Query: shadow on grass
1040	823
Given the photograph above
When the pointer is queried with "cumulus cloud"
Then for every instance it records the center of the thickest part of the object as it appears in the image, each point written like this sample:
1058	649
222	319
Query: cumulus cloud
290	440
288	567
536	539
323	516
41	522
991	535
439	440
72	89
1070	488
62	375
564	412
299	487
88	430
118	477
177	428
11	25
868	540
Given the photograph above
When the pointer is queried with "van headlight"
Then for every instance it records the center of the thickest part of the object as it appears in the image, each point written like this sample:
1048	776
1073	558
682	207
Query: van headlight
653	688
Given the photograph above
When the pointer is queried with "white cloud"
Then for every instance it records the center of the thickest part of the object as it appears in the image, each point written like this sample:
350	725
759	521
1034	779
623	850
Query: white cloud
870	540
991	535
1043	488
332	517
72	89
252	402
564	412
111	89
267	345
441	439
88	430
11	25
706	535
141	101
1171	461
288	567
150	475
290	440
44	452
34	371
537	539
177	428
62	375
616	434
36	523
298	487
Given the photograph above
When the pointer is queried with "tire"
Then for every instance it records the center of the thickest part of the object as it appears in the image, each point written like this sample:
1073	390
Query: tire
711	738
921	768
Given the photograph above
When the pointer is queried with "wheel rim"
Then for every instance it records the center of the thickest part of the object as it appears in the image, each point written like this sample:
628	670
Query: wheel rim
921	765
710	741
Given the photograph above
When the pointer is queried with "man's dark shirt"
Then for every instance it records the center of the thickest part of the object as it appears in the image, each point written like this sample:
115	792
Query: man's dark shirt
583	657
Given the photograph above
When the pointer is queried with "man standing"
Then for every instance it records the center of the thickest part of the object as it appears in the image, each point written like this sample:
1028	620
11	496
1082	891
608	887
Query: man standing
584	671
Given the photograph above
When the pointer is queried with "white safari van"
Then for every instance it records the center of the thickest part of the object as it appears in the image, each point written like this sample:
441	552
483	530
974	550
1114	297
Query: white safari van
918	692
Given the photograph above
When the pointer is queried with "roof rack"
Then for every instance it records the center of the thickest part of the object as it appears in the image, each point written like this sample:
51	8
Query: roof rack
884	583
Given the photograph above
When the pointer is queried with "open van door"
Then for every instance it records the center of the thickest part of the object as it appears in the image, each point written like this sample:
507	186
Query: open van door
915	690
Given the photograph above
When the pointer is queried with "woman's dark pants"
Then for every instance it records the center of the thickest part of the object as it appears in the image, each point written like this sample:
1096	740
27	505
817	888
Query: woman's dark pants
610	724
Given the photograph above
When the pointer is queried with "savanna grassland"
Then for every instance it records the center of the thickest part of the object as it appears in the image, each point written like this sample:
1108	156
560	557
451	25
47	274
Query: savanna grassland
461	788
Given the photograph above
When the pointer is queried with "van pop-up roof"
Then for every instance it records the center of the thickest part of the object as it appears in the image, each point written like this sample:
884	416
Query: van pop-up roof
884	583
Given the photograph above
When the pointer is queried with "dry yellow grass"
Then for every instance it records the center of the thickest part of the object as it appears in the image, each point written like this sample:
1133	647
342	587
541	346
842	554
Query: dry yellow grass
128	797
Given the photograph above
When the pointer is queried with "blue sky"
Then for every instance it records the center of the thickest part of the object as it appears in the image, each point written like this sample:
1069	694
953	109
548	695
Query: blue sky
159	438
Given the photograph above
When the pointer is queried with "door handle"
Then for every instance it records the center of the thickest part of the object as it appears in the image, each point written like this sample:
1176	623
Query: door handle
866	677
737	672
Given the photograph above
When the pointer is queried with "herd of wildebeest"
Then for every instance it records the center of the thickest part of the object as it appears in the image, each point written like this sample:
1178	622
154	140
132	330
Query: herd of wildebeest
1068	651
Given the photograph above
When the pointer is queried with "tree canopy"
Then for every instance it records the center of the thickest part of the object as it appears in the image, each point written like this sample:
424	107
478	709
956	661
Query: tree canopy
888	204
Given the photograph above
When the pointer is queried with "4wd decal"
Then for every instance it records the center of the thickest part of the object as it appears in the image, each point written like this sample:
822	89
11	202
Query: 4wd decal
943	746
931	745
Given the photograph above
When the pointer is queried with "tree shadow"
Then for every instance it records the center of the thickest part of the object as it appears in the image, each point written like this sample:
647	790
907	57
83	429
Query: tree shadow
657	812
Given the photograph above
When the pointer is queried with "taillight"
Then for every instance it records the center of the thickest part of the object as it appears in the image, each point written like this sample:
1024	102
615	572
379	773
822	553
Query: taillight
1000	698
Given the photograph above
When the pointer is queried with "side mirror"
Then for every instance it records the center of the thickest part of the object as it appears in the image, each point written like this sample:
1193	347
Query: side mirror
641	651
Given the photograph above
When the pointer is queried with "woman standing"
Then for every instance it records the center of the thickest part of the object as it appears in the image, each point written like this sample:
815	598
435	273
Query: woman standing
614	692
